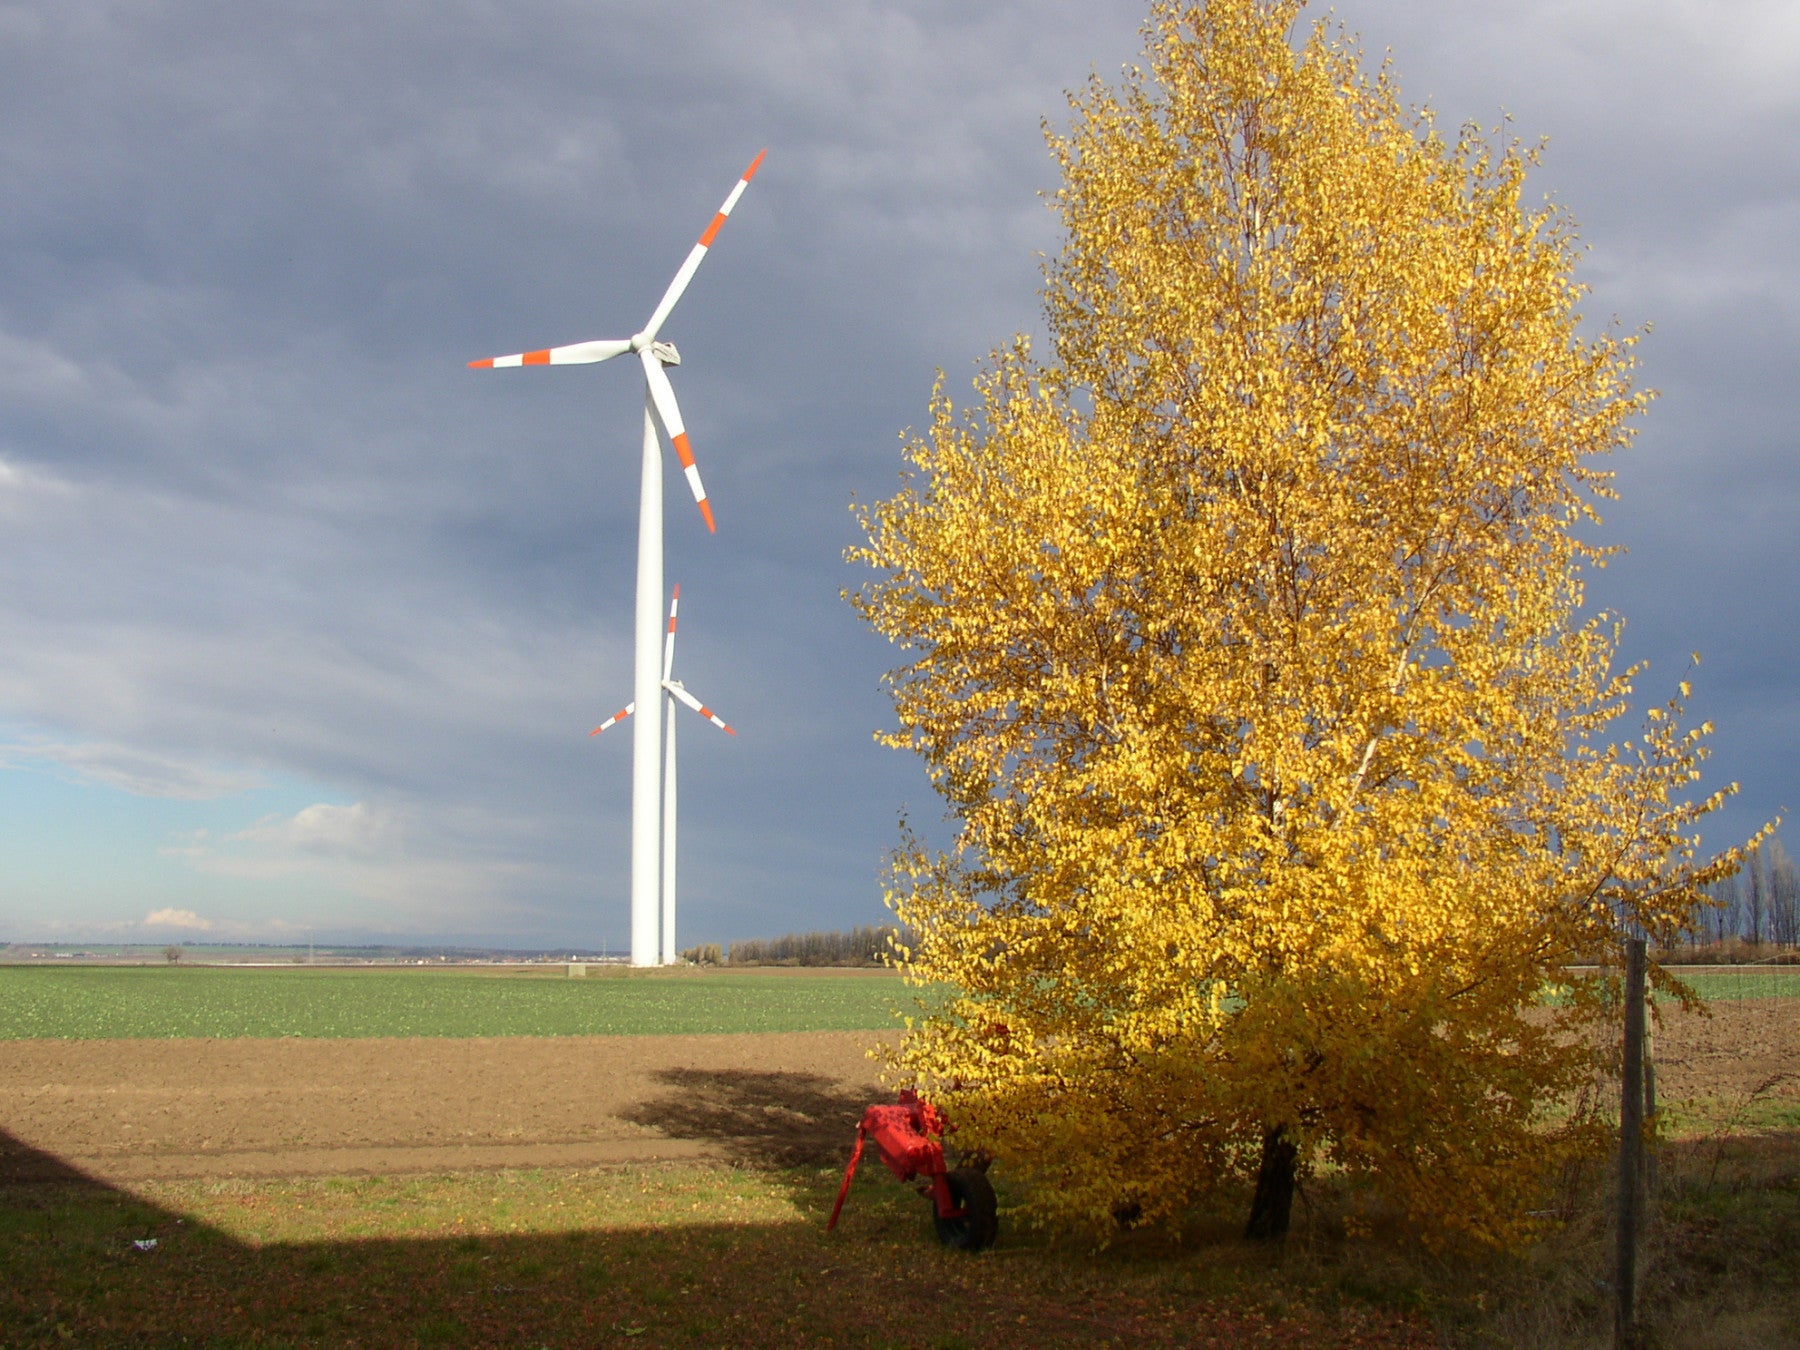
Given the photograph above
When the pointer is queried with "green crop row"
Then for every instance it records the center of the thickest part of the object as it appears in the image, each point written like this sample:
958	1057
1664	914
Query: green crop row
1744	983
86	1003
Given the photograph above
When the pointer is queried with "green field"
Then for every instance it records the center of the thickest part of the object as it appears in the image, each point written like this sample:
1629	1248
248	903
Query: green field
1730	983
87	1003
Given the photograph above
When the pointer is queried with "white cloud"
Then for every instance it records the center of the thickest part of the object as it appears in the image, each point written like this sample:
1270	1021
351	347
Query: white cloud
327	831
338	844
402	868
25	487
177	918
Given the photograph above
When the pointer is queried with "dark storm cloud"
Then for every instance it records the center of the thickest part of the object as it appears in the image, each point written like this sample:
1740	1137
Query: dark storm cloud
259	518
1669	127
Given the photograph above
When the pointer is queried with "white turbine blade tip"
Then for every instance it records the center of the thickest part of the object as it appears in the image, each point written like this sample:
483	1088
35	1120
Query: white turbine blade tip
692	262
681	693
668	412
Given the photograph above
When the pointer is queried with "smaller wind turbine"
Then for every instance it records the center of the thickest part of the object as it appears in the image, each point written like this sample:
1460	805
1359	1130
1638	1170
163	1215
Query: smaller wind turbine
676	692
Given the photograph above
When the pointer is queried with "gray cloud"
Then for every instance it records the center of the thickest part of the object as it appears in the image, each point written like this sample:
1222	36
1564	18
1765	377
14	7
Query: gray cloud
260	523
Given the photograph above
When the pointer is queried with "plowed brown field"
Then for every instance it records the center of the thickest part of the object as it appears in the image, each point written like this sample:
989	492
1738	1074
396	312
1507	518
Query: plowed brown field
133	1110
136	1110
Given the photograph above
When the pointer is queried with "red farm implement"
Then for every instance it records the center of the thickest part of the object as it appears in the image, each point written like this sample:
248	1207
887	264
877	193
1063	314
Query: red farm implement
909	1137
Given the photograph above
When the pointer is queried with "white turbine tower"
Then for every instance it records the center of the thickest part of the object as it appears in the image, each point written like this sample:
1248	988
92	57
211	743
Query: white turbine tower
676	692
659	406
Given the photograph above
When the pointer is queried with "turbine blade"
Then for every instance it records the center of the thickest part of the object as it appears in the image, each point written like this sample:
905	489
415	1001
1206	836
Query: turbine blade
675	688
619	716
669	641
577	354
662	397
686	274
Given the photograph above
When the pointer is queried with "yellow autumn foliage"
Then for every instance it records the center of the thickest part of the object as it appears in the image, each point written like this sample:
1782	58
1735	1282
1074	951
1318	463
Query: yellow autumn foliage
1246	648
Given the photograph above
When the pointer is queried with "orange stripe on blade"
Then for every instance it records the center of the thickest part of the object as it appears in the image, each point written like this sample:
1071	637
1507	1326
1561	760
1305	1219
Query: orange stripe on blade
683	452
706	511
712	230
535	358
755	164
485	364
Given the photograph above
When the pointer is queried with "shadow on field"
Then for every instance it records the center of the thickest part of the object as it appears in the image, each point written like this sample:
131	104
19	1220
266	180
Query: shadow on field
757	1118
86	1263
20	1162
90	1264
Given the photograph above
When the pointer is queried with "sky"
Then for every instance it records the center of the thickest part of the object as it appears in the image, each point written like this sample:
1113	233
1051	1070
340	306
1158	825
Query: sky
303	623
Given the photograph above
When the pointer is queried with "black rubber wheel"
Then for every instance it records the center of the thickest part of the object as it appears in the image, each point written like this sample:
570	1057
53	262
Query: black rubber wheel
971	1190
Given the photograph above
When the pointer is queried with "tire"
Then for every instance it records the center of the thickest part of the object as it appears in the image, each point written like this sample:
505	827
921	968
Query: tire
971	1190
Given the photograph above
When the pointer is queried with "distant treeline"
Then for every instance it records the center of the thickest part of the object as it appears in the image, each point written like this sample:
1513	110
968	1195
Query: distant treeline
1758	906
227	951
865	946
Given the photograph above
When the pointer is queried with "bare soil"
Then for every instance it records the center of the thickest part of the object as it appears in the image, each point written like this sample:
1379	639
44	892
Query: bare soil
133	1110
124	1111
1728	1055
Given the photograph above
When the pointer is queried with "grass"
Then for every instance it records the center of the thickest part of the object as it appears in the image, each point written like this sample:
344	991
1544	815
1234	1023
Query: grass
677	1255
131	1002
1724	984
714	1255
1716	1272
88	1002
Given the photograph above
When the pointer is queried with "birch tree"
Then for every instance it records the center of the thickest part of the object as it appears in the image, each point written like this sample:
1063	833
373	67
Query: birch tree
1245	644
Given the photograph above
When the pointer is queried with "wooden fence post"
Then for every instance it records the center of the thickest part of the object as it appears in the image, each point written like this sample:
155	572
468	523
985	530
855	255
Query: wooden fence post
1649	1105
1631	1149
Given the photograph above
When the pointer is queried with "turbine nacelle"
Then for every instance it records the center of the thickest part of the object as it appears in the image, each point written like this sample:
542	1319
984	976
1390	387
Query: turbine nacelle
664	351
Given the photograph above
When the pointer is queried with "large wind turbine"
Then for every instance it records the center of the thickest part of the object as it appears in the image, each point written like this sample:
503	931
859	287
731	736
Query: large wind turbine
676	691
659	406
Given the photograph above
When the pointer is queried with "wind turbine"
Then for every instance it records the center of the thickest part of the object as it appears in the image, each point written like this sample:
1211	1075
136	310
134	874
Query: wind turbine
659	407
676	692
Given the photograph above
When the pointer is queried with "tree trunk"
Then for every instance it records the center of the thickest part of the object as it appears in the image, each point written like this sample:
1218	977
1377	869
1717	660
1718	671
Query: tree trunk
1274	1189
